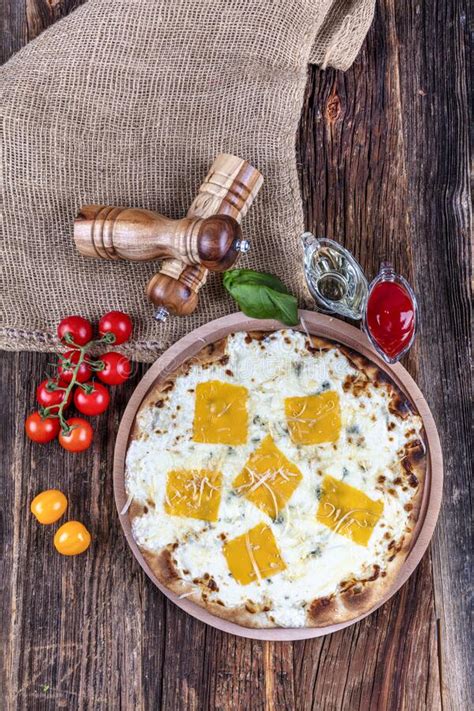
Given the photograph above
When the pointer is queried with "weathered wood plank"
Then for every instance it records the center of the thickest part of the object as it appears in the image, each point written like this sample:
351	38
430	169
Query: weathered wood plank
23	20
383	156
14	28
435	126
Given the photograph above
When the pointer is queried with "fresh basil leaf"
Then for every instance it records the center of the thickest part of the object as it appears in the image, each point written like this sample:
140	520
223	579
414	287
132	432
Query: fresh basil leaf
248	276
287	304
259	300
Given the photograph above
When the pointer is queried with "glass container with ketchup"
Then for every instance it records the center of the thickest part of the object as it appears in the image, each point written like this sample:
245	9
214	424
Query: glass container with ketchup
390	316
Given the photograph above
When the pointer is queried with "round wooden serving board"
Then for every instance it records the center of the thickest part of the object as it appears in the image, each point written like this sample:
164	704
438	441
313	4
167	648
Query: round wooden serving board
317	324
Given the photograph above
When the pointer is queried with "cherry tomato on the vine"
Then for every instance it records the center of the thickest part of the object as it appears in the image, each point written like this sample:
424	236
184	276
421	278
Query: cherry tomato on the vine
118	324
41	429
49	506
91	398
75	329
78	437
66	368
50	394
117	368
72	538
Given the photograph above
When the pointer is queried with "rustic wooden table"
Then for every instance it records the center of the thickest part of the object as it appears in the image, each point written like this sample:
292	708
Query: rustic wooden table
383	152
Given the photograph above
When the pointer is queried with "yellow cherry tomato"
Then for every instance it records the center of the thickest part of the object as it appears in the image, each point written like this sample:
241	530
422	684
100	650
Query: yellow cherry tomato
72	538
49	506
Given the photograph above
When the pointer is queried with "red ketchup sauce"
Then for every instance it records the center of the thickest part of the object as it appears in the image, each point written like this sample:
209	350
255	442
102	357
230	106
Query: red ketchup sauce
390	317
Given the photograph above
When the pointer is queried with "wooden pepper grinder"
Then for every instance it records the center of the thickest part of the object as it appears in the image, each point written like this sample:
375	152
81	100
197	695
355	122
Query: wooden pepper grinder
229	189
142	235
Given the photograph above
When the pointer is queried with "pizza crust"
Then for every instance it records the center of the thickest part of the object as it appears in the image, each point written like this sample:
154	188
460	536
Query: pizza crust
357	598
162	566
355	601
360	598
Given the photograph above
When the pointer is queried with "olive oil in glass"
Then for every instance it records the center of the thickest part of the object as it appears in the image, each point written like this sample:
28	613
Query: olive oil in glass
335	279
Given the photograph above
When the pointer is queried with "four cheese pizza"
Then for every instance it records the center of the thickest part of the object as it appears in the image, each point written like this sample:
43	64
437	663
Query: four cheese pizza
276	479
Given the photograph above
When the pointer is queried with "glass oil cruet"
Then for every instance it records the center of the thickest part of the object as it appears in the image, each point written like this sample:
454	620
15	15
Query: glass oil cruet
335	279
387	307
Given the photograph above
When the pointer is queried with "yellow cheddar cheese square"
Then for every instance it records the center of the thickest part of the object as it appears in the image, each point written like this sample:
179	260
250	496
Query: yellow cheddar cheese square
193	493
254	555
268	479
314	419
220	413
347	510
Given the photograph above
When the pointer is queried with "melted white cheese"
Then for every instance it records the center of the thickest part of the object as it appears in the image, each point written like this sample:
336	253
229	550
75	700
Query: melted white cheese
317	559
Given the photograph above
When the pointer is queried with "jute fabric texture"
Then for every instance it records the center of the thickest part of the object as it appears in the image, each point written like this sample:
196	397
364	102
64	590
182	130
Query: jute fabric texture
127	102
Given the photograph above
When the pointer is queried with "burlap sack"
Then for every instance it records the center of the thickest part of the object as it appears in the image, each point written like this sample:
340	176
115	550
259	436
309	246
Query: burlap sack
127	102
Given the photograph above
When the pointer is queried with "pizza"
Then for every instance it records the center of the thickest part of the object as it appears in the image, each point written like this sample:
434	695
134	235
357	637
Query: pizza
276	480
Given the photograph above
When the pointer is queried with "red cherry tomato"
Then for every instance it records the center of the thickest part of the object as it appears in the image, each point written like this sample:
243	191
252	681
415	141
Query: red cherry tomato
66	368
117	368
41	429
50	394
79	437
118	324
75	329
92	401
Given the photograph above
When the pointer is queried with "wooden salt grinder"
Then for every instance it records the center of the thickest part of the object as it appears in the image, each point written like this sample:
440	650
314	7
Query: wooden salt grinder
142	235
229	188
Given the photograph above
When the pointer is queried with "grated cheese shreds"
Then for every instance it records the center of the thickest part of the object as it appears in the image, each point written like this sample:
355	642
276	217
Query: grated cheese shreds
272	494
126	505
252	558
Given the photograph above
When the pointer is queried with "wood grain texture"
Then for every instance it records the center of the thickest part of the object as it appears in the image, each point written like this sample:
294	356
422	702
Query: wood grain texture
383	153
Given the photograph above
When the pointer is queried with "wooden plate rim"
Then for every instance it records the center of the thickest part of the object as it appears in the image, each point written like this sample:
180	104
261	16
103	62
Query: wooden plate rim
316	324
